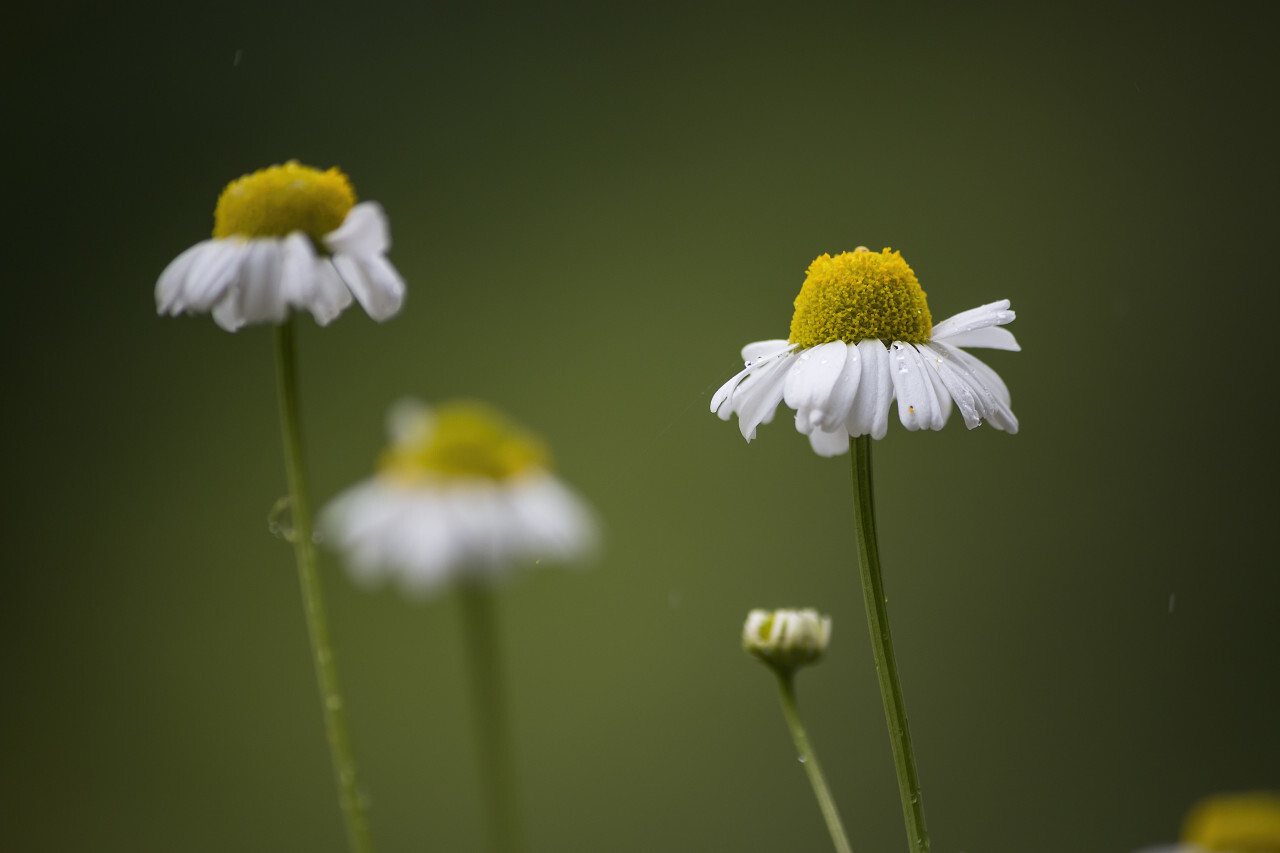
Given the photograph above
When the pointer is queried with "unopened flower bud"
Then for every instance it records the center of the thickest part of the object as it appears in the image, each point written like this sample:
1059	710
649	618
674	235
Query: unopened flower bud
786	639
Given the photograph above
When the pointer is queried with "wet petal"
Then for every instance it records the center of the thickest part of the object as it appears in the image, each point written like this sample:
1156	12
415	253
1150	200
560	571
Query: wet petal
992	337
829	443
760	399
814	381
869	414
918	406
991	314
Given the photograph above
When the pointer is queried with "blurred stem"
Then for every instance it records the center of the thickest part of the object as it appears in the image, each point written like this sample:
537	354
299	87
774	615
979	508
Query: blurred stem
786	689
895	710
489	710
335	715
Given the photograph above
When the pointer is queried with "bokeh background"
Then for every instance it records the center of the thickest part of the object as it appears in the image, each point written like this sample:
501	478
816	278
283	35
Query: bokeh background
596	206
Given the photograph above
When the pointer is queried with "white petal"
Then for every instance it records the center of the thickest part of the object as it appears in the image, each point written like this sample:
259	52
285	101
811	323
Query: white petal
227	313
817	387
723	401
261	295
958	387
213	274
918	406
829	443
297	270
869	414
170	288
329	296
373	281
992	337
763	349
363	232
992	402
991	314
757	399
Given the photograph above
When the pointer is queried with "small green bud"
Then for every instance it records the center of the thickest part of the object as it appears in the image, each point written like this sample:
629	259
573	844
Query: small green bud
786	639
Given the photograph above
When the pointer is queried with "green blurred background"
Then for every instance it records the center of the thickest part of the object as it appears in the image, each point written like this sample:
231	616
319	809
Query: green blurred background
595	206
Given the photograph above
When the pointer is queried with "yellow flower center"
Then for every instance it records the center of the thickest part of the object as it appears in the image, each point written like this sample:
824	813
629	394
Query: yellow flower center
860	295
463	440
1240	823
279	200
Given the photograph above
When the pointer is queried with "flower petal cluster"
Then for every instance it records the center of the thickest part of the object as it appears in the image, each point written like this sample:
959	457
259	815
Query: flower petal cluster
258	272
464	511
841	389
786	639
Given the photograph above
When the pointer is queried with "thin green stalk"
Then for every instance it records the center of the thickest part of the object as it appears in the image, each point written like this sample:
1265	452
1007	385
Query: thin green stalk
489	710
786	690
335	715
895	710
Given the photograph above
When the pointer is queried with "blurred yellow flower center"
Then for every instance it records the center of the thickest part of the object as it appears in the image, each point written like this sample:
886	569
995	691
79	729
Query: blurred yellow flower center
463	440
860	295
282	199
1240	823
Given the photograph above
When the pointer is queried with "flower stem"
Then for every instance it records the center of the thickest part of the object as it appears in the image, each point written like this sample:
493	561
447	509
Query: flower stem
895	710
489	710
335	715
786	690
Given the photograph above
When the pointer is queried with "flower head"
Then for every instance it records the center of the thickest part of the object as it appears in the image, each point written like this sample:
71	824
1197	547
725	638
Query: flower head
286	237
861	337
459	491
1230	823
786	639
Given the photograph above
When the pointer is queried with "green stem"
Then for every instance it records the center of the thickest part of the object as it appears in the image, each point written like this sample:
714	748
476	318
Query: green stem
895	710
489	710
786	689
335	715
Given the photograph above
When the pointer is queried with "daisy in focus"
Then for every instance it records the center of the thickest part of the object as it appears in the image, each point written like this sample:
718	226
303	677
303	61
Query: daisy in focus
460	492
862	337
286	237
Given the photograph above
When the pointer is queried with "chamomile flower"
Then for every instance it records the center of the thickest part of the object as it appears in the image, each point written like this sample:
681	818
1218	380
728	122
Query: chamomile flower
286	237
1230	823
459	492
862	337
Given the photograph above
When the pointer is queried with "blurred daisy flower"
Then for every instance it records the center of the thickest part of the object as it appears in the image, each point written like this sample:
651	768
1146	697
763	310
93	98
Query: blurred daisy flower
286	237
1230	823
862	337
460	492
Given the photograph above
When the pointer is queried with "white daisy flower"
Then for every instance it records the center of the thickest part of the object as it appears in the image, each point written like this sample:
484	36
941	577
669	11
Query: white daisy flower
459	492
286	237
861	337
786	639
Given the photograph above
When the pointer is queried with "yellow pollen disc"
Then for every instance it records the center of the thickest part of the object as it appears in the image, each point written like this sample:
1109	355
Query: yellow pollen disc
463	440
279	200
860	295
1240	823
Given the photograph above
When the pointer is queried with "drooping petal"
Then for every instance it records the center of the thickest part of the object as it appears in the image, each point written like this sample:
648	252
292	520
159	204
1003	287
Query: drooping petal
971	408
760	399
171	286
261	295
829	443
990	398
213	274
722	402
813	381
373	281
297	271
329	296
918	404
364	232
991	314
869	414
